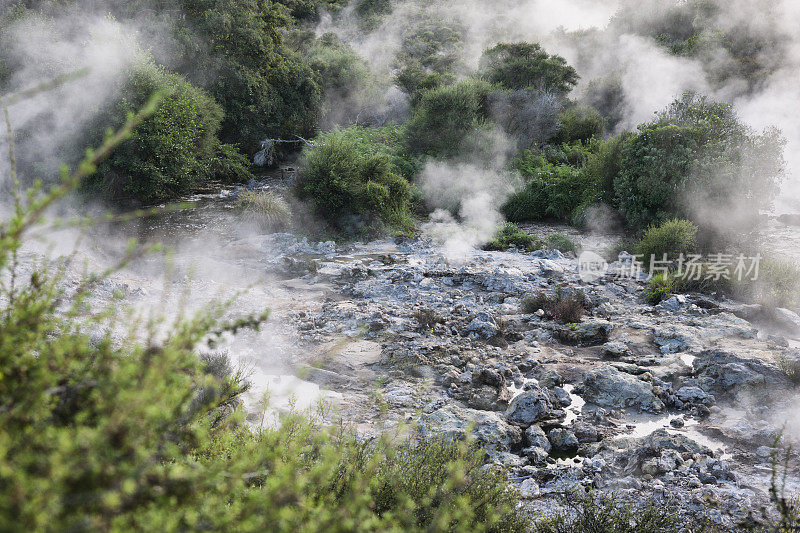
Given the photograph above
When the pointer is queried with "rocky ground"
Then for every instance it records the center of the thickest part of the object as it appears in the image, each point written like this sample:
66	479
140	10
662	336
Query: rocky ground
682	402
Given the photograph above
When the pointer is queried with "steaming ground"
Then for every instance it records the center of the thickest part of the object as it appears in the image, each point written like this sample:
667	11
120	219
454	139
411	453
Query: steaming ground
680	402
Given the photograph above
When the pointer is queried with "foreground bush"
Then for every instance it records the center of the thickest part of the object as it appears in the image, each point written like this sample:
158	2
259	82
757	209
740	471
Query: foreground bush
354	191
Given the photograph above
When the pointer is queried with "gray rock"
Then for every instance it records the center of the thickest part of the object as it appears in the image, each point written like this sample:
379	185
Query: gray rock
490	430
609	387
483	326
615	350
530	407
786	319
563	397
529	489
589	333
536	437
695	395
563	440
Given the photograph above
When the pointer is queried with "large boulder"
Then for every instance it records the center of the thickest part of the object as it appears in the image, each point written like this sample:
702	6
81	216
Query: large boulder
489	429
532	406
589	333
609	387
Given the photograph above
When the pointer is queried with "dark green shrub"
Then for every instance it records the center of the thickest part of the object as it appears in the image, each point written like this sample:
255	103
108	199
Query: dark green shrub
511	235
695	161
580	123
351	189
671	239
604	164
338	68
444	119
175	149
560	242
551	192
527	66
429	55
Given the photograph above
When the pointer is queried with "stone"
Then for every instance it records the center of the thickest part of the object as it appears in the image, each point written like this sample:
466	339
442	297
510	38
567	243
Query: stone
530	407
608	387
695	395
589	333
615	350
490	429
529	489
536	437
483	326
563	440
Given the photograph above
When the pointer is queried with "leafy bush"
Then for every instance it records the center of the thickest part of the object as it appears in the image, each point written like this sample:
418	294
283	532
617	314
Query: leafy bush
429	55
265	208
660	287
605	163
354	190
511	235
695	161
579	123
560	242
527	66
671	238
552	191
790	366
175	149
444	119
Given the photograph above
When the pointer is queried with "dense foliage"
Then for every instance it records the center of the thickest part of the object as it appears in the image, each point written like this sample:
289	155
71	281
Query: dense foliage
697	160
354	190
528	66
174	150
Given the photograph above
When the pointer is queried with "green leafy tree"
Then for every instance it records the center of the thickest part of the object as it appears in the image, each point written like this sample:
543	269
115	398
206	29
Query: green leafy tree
697	160
527	66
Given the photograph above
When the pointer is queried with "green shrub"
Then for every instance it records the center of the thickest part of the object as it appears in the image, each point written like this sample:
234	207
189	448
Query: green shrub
778	284
552	191
527	66
661	287
697	160
174	150
511	235
560	242
444	119
580	123
353	190
429	55
605	163
671	238
265	208
339	69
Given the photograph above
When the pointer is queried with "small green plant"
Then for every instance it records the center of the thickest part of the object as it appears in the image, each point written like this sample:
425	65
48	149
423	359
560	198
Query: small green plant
671	239
560	242
661	287
511	235
265	208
